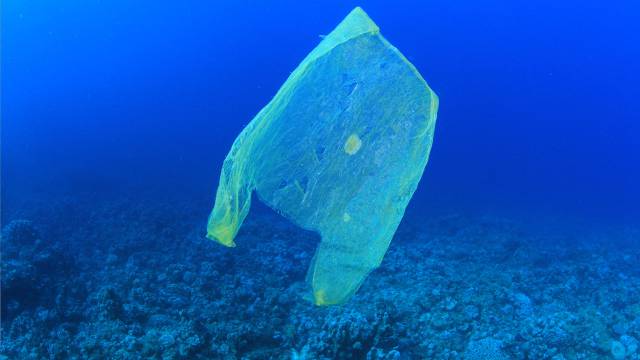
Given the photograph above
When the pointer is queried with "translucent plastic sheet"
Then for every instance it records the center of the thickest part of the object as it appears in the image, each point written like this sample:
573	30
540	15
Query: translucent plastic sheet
339	150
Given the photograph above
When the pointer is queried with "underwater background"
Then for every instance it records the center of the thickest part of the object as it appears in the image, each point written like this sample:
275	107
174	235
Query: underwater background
522	240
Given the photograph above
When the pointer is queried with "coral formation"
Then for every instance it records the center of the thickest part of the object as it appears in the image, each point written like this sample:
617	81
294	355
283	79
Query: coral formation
144	284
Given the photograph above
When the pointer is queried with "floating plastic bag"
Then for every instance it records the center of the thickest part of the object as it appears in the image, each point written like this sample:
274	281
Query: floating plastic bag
339	150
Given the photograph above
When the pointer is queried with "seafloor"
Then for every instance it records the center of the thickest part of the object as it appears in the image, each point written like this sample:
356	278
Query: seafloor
137	280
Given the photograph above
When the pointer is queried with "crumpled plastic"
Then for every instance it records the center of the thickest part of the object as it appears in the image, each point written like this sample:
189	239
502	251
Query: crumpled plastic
339	150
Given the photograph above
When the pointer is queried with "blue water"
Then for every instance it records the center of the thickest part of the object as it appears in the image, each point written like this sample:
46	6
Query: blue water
117	115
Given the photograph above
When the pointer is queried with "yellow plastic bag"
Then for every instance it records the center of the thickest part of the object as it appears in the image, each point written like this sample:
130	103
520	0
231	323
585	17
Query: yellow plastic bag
339	150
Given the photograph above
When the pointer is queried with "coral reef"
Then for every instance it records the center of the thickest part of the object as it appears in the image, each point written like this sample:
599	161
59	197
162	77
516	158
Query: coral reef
138	281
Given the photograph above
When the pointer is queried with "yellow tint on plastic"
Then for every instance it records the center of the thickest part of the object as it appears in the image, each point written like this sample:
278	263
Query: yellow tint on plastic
353	144
356	94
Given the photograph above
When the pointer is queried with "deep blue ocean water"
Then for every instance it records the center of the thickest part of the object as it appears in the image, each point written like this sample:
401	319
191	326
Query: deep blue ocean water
117	115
